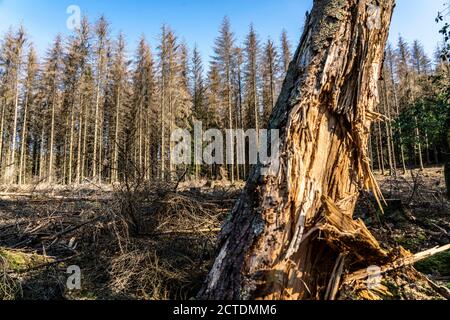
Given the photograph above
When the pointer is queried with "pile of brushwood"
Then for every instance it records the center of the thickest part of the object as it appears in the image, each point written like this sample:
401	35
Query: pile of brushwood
158	240
140	241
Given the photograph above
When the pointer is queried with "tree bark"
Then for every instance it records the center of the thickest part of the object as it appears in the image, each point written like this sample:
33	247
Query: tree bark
22	161
288	232
2	125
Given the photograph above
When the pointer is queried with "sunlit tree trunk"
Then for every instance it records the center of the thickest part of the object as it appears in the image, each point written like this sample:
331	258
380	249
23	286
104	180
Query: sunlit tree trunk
2	126
84	151
381	150
80	139
12	165
22	162
388	129
290	230
71	145
52	141
30	83
115	170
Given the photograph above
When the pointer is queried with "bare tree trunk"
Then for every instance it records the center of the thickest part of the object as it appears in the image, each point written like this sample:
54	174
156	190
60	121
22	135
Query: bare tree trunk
241	116
380	143
289	231
397	113
96	125
12	177
100	148
52	141
230	119
163	128
84	151
2	125
80	140
391	138
378	152
22	162
388	128
71	144
42	154
115	173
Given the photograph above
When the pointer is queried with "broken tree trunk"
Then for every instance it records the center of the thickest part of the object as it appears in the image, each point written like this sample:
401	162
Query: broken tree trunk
287	232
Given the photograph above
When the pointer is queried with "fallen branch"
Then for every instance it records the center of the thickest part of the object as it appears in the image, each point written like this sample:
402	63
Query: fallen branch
176	232
72	229
402	262
43	265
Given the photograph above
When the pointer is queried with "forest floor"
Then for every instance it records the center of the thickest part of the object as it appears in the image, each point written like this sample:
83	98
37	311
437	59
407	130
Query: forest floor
158	241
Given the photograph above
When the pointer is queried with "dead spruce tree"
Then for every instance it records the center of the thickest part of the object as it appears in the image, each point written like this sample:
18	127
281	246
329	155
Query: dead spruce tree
290	232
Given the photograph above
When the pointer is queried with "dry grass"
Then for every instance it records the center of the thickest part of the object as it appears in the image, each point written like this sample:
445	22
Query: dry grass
152	241
158	240
10	288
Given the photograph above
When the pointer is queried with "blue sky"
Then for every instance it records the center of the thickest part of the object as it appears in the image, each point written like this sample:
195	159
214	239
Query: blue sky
197	21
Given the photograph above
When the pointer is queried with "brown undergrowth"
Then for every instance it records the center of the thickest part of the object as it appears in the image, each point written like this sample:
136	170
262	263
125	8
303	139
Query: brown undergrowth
158	240
146	241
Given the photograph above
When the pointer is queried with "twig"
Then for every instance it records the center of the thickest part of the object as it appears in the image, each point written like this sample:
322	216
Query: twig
174	232
64	232
180	180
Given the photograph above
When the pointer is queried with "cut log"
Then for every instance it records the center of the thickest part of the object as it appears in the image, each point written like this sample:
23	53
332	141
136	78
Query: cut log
287	231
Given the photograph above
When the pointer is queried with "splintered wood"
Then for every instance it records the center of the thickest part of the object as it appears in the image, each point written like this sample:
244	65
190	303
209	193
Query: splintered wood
287	233
406	260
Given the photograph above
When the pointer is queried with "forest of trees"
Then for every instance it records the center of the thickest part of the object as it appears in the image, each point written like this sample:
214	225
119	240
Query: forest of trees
87	111
414	108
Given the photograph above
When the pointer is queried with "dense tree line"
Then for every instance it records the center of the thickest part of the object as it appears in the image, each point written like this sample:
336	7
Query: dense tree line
88	111
412	111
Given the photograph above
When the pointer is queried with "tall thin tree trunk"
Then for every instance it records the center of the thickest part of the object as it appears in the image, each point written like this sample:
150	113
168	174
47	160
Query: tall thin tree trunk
390	149
96	115
230	119
100	148
255	108
378	152
22	162
42	154
71	144
80	141
12	165
84	151
163	127
115	175
241	117
2	125
55	103
397	114
289	230
380	142
391	138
